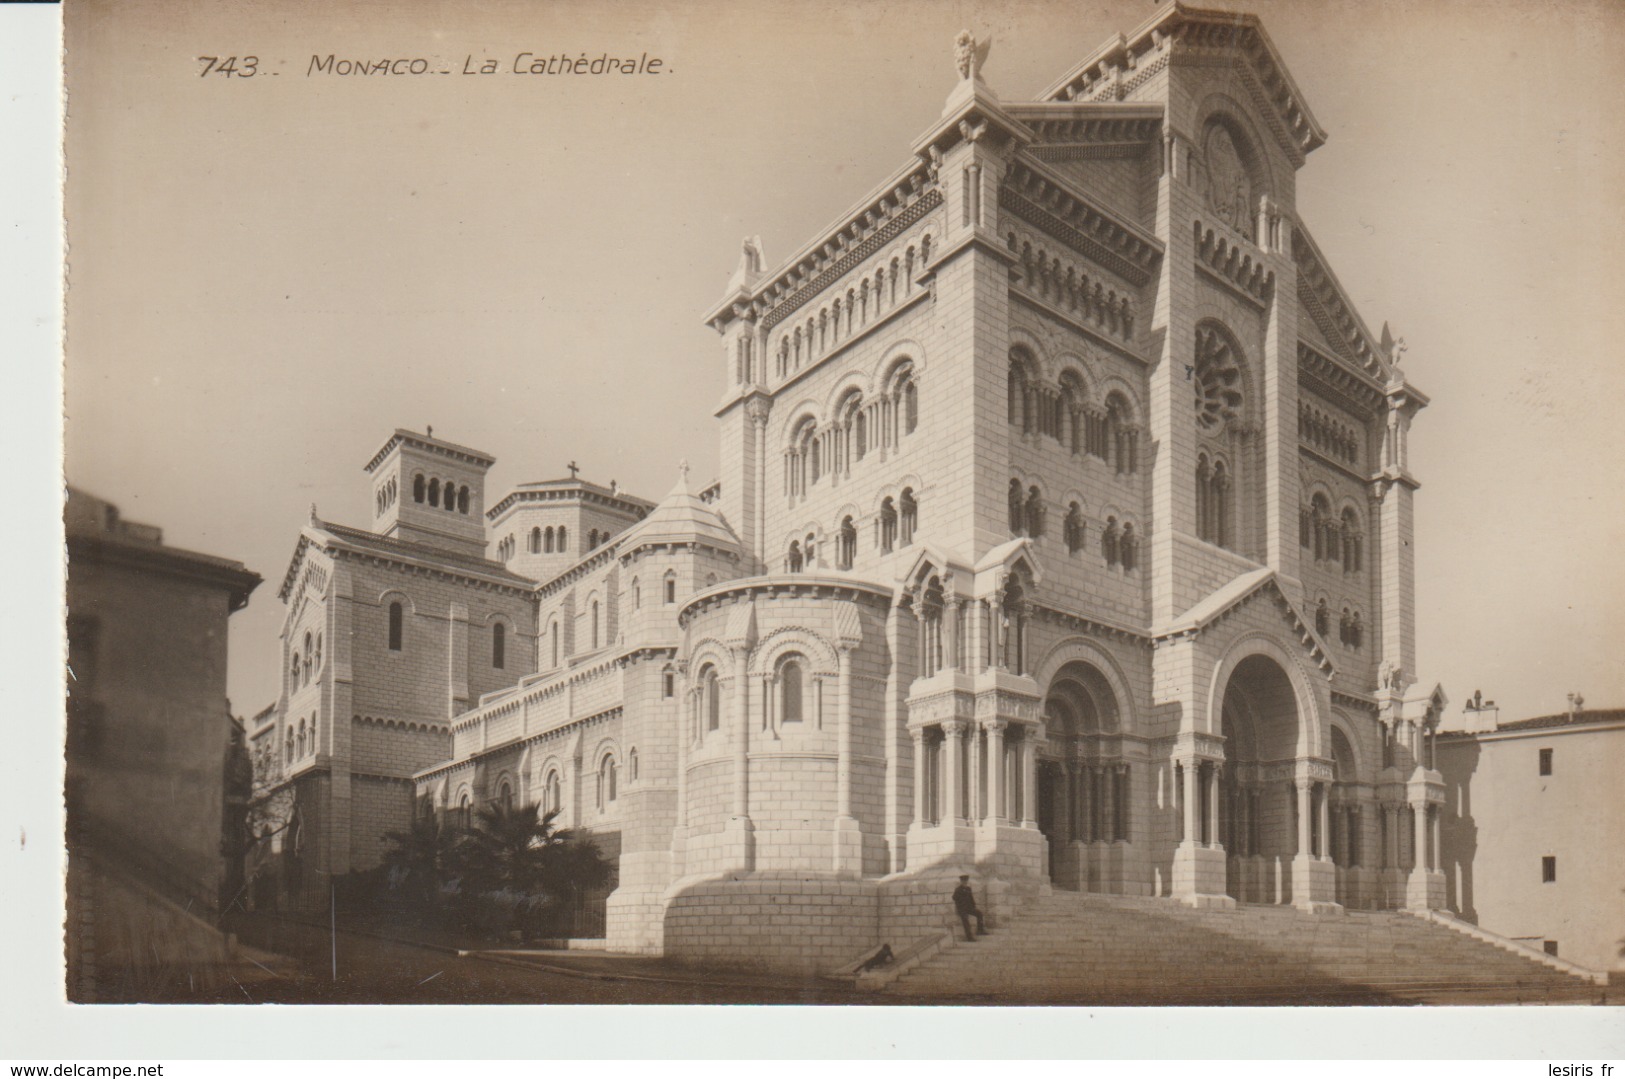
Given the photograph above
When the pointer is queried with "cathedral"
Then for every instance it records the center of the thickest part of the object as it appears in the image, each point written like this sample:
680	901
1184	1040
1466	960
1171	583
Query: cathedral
1062	538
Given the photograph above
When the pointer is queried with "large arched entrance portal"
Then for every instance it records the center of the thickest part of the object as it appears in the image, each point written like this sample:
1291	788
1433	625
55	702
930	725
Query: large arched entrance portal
1258	803
1084	782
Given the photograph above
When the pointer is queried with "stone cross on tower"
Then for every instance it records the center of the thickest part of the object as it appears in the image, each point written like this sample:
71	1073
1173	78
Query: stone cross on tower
574	468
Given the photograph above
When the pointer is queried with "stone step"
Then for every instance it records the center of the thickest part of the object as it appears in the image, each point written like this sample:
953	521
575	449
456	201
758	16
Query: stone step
1065	944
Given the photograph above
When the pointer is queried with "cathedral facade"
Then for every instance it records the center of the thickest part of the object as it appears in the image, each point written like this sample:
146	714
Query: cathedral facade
1062	537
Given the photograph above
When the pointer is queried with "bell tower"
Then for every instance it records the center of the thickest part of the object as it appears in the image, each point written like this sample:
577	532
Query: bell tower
429	491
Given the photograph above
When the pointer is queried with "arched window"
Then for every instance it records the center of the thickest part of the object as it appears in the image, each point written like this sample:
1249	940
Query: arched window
1072	528
793	560
1120	436
552	793
809	550
287	753
1016	390
1015	617
932	601
1109	537
606	781
815	460
547	540
1128	547
668	684
309	654
790	689
553	642
434	493
462	499
1343	626
395	627
536	540
1356	631
1035	513
318	651
564	539
1018	508
711	698
888	525
1320	523
1212	501
592	538
300	744
296	671
313	749
1323	618
595	624
499	645
465	812
632	761
505	796
1351	541
668	586
637	595
911	406
417	488
847	547
909	517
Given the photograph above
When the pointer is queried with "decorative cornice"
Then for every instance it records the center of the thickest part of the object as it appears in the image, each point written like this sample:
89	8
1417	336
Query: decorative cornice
1076	298
1339	382
631	505
1323	297
1094	627
792	290
784	587
1116	130
571	726
1121	65
402	724
1035	194
432	445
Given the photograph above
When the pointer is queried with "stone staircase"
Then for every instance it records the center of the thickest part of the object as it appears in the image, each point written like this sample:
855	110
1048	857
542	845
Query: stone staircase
1067	947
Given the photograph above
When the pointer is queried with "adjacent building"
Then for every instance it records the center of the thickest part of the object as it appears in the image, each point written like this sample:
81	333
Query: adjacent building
150	788
1063	535
1529	808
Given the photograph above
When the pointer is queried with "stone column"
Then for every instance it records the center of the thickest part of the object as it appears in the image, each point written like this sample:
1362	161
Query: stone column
1325	822
1419	833
952	731
843	711
973	775
741	736
1074	786
917	735
997	811
1029	776
1215	838
1437	861
685	729
1193	833
1125	818
1304	809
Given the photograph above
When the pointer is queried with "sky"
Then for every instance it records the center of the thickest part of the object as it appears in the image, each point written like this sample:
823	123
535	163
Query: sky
269	274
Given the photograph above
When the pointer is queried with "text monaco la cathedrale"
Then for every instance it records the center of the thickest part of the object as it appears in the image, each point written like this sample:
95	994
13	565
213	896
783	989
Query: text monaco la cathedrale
524	63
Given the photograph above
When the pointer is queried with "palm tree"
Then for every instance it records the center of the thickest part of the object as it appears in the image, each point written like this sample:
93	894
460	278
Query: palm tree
513	848
424	855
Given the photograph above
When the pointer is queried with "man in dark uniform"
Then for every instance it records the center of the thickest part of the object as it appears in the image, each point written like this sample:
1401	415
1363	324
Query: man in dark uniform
965	907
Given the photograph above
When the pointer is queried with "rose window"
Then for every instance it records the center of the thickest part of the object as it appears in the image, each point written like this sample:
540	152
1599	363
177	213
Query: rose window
1217	379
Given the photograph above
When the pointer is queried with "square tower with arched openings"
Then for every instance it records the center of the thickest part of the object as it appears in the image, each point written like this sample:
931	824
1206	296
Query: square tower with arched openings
427	490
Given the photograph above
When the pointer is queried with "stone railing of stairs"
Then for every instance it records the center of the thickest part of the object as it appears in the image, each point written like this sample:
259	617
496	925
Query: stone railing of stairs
1107	949
1595	977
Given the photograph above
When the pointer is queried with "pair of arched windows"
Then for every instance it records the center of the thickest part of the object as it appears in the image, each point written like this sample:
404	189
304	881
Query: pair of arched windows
1026	510
441	495
301	740
1351	629
305	665
1119	546
1332	540
897	522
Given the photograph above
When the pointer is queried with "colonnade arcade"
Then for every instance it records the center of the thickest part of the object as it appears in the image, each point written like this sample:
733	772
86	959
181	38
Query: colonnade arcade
1084	781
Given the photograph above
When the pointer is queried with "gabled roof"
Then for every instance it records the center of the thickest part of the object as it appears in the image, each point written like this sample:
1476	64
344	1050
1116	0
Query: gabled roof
341	537
433	445
1114	62
1220	602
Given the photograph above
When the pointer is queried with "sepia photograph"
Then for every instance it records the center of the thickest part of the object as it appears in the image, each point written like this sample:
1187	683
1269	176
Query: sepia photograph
933	504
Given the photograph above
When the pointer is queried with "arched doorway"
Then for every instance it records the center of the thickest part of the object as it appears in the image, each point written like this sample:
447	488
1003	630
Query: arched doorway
1084	782
1258	803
